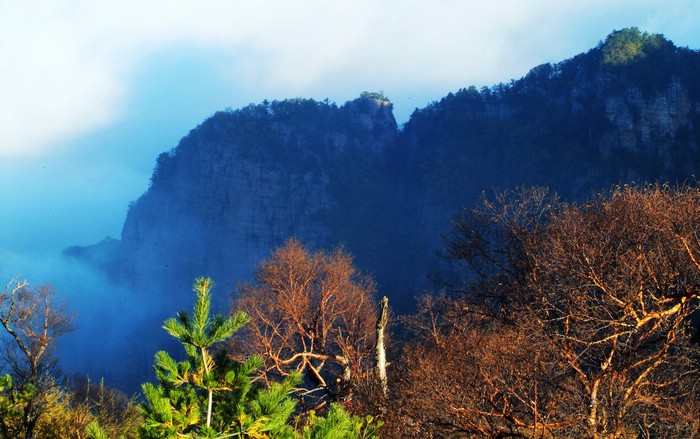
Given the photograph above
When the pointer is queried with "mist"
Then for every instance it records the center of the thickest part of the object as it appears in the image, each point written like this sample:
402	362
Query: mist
104	315
118	329
79	194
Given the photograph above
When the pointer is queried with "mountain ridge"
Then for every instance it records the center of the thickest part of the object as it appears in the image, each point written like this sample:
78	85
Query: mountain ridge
245	180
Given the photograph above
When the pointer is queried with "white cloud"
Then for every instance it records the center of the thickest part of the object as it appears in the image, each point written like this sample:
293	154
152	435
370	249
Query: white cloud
66	66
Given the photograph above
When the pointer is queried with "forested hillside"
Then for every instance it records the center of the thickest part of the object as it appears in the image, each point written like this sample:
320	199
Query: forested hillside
626	110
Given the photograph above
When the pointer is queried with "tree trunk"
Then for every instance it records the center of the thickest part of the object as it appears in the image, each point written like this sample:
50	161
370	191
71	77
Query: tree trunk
209	404
381	350
593	413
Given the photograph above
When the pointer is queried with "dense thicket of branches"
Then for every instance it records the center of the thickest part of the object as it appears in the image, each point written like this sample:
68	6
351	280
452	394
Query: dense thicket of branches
312	314
575	321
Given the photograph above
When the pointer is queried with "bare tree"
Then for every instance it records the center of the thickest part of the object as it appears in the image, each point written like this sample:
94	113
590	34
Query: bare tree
31	322
466	375
313	314
615	283
576	321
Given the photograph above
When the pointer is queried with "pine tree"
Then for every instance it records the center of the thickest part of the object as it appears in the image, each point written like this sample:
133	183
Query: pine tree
13	402
339	424
208	395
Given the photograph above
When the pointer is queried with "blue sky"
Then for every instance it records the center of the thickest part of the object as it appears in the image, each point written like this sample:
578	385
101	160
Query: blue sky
92	91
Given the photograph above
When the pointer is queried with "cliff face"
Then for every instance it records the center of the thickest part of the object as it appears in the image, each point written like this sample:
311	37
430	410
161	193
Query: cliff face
244	181
626	110
663	126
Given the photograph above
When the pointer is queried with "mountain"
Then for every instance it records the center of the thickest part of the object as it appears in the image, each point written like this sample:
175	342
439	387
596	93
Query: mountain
626	111
242	183
245	180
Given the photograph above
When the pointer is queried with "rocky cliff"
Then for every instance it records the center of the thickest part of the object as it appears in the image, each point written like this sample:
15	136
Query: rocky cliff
242	183
246	180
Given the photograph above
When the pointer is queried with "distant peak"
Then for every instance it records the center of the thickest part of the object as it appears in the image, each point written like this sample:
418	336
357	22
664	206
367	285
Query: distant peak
375	96
630	44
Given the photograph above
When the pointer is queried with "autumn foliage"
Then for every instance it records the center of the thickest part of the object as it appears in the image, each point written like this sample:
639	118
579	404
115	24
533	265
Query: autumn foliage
312	314
573	321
